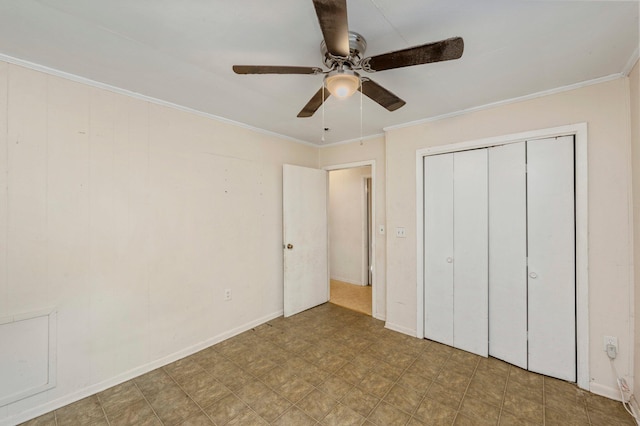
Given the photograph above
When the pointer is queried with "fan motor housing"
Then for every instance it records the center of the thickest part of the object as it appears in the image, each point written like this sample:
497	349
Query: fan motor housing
357	47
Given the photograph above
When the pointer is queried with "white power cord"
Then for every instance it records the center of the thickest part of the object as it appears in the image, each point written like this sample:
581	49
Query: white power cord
625	391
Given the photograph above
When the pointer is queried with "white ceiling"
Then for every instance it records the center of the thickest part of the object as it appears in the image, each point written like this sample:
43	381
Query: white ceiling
182	52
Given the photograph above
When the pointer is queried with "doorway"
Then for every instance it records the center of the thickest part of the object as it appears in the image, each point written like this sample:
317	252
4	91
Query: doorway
351	242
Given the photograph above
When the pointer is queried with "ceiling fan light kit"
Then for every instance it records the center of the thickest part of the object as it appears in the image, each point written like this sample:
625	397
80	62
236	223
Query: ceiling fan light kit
342	83
342	52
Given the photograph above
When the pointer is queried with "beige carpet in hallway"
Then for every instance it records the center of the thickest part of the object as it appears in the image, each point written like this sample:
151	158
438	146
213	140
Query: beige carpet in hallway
354	297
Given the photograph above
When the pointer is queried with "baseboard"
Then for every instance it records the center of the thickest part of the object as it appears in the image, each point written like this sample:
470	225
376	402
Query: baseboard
99	387
379	317
344	280
400	329
606	391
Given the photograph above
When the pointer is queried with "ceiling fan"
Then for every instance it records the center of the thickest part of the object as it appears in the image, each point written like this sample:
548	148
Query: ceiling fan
342	52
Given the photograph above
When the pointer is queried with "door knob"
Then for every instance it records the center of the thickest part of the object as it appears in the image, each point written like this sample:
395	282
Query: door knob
533	275
449	259
290	246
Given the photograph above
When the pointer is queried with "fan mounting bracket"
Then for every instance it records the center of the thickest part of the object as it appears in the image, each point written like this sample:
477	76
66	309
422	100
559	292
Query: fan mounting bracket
357	47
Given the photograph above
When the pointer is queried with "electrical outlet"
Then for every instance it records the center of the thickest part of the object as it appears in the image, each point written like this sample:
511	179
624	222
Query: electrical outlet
227	294
610	340
401	233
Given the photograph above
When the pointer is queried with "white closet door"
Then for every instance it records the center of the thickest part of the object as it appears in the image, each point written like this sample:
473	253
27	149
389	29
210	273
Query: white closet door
508	254
438	250
470	253
551	272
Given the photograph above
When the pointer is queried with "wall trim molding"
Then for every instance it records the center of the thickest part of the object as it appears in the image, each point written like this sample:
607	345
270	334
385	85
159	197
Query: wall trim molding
607	391
145	98
631	62
579	130
400	329
135	372
509	101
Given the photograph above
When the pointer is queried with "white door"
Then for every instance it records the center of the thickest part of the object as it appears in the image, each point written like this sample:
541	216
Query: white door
438	248
508	254
551	270
470	252
455	235
306	280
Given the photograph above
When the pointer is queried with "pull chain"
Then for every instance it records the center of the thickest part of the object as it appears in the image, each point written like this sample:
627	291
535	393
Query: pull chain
361	142
323	131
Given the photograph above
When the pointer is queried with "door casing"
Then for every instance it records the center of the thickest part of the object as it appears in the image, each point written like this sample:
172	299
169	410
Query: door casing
579	131
374	308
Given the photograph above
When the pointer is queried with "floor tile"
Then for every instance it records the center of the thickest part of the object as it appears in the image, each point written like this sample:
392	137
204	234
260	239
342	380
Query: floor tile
84	412
295	389
403	399
153	381
294	417
414	382
183	368
317	404
387	415
523	408
48	419
119	397
555	417
225	409
431	411
204	389
335	387
139	413
375	384
352	373
248	417
443	394
341	415
172	405
360	401
480	410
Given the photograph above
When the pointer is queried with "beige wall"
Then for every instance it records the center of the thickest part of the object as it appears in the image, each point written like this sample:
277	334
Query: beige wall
634	90
369	150
605	108
348	225
131	219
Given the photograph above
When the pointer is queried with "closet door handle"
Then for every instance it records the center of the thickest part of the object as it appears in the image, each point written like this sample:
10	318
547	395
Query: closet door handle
533	275
449	259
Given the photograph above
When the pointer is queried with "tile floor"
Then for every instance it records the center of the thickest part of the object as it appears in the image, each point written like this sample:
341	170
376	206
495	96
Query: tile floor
333	366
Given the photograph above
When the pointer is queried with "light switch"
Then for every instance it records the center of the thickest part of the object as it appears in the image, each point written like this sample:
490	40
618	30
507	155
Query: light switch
381	230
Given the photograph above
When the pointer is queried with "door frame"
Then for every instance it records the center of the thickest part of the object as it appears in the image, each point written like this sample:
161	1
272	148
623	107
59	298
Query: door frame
367	234
579	131
372	163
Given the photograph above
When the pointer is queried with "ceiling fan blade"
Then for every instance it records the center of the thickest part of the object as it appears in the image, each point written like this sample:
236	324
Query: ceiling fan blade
274	69
381	95
314	103
444	50
332	16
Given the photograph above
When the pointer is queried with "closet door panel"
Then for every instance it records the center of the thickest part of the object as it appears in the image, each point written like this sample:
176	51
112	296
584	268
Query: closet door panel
551	271
438	250
470	259
508	254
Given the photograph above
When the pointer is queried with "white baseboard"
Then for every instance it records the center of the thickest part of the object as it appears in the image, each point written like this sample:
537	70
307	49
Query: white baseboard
106	384
606	391
400	329
348	281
